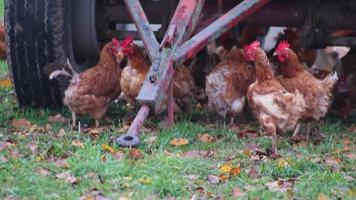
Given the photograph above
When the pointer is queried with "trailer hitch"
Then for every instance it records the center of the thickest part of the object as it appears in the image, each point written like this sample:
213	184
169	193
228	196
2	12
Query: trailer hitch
175	48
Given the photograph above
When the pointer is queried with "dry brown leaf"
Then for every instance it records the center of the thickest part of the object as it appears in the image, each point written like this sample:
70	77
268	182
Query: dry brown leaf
42	172
351	156
212	179
179	141
104	158
247	152
33	147
197	154
94	195
62	163
5	145
78	143
223	177
235	171
58	119
107	148
237	193
67	177
206	138
280	185
322	196
5	83
119	155
334	163
62	133
135	154
21	124
253	173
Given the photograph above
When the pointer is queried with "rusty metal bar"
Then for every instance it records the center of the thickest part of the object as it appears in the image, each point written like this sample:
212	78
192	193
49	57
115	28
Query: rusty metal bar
181	27
143	26
131	138
214	30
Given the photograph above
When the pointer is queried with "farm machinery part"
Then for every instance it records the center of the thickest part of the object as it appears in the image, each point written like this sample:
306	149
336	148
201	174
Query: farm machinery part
176	47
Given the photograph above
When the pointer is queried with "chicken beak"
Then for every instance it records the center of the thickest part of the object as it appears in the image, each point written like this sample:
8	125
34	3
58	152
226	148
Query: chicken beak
119	56
275	54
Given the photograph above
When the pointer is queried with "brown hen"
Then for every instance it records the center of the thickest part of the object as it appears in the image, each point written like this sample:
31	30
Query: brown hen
276	109
227	83
91	91
316	93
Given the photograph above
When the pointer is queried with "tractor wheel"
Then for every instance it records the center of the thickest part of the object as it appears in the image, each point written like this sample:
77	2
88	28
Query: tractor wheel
40	35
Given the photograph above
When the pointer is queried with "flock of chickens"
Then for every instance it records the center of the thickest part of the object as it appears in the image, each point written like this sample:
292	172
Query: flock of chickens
281	93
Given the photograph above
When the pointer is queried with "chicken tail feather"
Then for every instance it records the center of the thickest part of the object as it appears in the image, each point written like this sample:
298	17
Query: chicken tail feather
56	73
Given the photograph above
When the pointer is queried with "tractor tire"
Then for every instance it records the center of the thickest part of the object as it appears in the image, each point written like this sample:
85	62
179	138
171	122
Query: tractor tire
37	36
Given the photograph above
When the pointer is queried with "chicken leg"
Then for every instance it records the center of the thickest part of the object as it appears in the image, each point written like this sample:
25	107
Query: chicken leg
74	119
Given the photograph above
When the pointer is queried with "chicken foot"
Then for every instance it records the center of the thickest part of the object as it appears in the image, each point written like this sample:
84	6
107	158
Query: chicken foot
296	130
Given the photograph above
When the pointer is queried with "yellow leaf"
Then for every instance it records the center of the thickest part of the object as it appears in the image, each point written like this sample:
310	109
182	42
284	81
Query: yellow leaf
247	153
351	193
145	181
235	171
282	163
179	141
206	138
107	148
77	143
21	124
322	196
5	83
226	168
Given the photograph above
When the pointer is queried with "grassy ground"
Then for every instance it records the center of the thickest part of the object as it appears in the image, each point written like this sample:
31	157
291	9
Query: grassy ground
34	159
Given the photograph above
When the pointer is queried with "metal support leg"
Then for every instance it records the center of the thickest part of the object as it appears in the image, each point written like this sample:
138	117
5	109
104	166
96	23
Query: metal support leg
131	138
170	106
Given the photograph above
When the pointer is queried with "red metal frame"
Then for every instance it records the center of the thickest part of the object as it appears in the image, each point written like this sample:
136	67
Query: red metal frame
158	83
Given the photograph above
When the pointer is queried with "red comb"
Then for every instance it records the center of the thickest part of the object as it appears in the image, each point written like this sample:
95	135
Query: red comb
252	45
282	45
115	42
127	41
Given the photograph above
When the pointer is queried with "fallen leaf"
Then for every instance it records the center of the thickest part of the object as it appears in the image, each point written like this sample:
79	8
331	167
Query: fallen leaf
33	147
5	145
42	172
206	138
95	132
352	128
145	181
5	83
104	158
34	128
197	154
281	185
235	171
253	173
119	155
62	163
179	141
21	124
322	196
212	179
334	163
223	177
282	163
77	143
107	148
94	195
67	177
351	193
58	119
351	156
349	178
226	168
237	193
135	154
62	133
247	153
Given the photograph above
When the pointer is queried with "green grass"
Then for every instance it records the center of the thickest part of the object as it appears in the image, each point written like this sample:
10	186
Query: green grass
166	172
